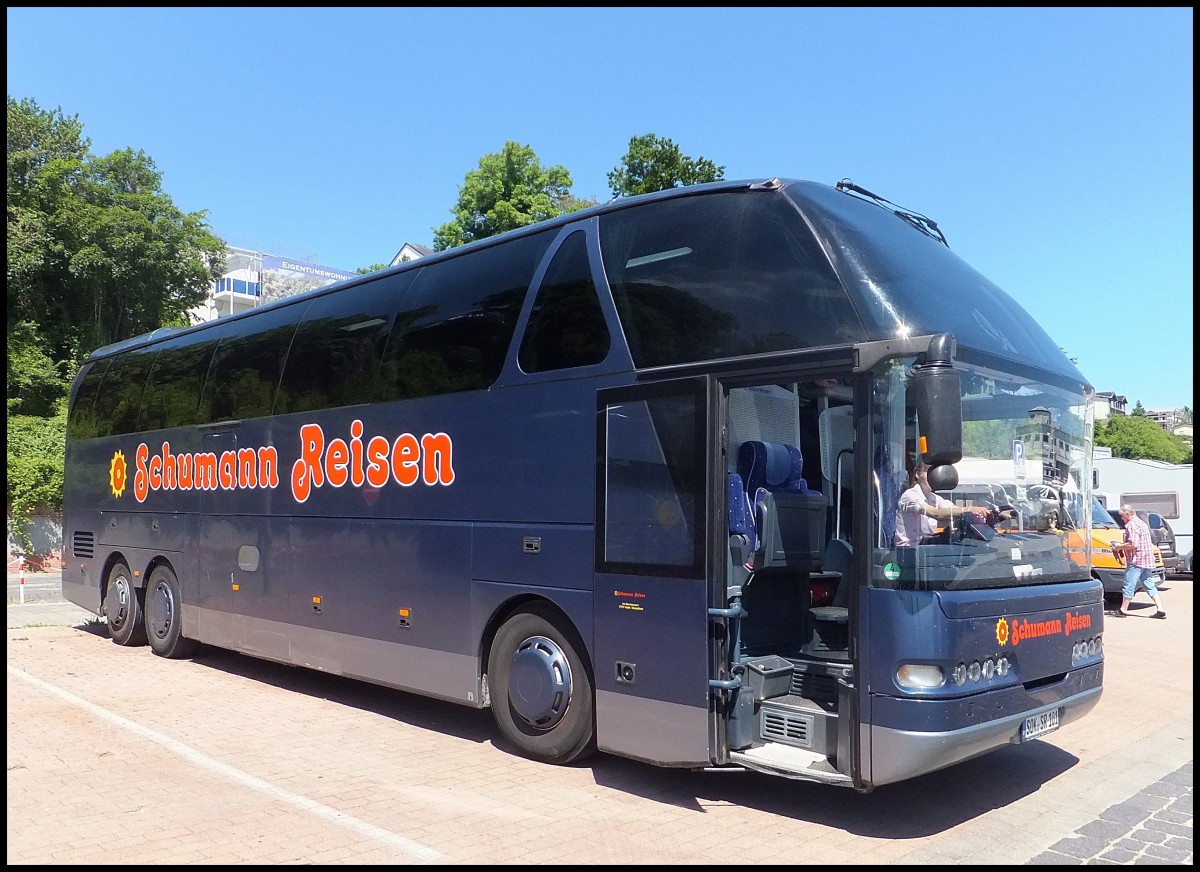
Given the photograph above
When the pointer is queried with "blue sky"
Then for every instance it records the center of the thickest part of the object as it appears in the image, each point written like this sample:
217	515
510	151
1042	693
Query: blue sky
1052	146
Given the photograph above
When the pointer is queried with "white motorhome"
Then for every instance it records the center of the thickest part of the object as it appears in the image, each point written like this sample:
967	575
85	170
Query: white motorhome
1151	486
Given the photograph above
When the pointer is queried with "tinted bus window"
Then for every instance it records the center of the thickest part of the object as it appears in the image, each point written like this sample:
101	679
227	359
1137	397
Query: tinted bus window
454	328
172	397
653	510
246	368
81	423
120	400
335	356
706	277
566	327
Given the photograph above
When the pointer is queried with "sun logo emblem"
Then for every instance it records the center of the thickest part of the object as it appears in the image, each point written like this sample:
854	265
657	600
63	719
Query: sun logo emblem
1002	631
116	474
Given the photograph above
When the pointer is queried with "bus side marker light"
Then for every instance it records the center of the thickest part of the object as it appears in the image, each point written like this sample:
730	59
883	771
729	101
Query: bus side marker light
316	604
404	617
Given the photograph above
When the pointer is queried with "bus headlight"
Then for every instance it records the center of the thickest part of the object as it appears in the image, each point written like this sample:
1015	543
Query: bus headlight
920	675
974	671
960	674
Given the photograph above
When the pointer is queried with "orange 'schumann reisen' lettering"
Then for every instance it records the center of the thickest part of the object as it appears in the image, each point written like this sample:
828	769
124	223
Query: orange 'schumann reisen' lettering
245	468
405	460
357	461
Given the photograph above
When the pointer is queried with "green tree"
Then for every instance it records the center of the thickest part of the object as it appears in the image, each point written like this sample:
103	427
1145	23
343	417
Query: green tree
1138	409
364	270
1136	436
97	252
35	468
37	384
654	164
510	189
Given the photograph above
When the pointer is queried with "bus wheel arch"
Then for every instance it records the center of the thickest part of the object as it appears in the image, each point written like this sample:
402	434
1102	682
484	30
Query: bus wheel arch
123	604
540	685
164	614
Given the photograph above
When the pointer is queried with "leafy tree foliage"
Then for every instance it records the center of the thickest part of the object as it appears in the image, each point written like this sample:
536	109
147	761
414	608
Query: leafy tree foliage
364	270
510	189
37	384
1136	436
35	468
654	164
97	252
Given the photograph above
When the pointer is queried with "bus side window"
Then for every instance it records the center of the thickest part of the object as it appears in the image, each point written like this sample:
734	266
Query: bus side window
120	400
566	325
334	358
245	371
172	394
453	331
652	515
82	423
708	276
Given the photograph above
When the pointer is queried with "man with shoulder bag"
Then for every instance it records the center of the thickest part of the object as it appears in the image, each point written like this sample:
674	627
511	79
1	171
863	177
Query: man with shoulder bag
1137	552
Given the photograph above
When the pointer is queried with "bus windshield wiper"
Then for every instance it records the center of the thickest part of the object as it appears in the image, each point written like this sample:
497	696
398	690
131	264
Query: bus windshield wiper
922	222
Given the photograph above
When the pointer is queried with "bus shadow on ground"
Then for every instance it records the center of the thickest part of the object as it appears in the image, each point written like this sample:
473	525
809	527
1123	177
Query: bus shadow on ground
913	809
460	721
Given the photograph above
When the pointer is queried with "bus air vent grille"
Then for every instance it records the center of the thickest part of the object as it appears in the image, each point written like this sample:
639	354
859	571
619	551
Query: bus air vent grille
820	688
83	544
789	727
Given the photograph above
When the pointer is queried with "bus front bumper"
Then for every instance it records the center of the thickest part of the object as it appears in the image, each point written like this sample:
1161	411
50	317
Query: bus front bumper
897	754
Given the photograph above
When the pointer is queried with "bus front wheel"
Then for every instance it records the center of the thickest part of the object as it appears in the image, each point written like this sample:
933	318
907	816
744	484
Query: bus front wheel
123	608
164	617
541	693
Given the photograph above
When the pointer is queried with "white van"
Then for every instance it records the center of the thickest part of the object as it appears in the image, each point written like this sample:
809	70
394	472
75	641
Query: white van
1149	486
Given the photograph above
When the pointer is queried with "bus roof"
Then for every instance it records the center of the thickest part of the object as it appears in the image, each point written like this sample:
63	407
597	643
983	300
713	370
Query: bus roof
894	264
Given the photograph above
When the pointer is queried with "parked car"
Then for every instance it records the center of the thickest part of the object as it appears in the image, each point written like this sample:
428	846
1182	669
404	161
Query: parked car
1162	535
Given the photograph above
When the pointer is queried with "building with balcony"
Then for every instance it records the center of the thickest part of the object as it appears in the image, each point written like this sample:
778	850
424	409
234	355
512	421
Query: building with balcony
1109	404
254	277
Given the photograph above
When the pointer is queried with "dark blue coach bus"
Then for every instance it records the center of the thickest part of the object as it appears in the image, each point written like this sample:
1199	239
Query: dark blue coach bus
628	477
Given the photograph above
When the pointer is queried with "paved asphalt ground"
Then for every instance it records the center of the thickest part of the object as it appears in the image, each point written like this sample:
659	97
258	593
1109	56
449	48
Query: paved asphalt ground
117	756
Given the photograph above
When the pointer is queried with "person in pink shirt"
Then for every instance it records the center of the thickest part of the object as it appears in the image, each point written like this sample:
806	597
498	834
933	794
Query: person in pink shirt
1138	552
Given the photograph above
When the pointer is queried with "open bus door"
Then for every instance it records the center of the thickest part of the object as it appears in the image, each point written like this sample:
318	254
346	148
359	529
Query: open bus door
652	651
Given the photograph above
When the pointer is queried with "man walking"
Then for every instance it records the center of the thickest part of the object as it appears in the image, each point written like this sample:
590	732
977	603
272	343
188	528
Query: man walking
1138	551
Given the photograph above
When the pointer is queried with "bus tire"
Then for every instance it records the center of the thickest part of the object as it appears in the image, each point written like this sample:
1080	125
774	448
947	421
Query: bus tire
123	607
164	616
540	689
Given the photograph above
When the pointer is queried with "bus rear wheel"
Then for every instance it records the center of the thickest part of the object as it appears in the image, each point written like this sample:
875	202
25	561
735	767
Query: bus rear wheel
123	607
164	616
541	693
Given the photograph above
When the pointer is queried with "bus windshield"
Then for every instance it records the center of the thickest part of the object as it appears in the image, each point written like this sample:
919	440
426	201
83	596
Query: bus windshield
1005	522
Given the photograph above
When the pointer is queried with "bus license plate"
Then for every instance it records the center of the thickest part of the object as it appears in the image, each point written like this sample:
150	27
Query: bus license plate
1039	725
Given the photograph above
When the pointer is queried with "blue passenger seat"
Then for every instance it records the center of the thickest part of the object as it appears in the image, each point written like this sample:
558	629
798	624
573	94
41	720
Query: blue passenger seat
789	518
743	538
